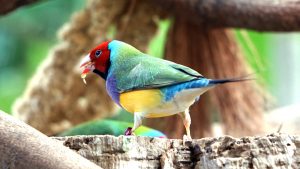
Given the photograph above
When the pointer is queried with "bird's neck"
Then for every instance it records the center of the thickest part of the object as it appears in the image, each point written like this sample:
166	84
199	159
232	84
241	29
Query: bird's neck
103	74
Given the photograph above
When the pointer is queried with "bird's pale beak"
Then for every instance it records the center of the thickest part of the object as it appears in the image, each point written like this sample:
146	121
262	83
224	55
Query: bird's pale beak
88	66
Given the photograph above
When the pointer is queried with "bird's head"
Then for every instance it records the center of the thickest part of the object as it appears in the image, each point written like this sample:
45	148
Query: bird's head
97	61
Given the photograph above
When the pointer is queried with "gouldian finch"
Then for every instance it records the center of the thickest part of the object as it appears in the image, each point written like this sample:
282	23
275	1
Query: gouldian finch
147	86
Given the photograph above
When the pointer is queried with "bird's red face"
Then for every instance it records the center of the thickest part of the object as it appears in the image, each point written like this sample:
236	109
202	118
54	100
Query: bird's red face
96	61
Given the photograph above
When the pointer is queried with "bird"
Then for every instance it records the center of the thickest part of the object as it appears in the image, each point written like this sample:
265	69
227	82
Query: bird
147	86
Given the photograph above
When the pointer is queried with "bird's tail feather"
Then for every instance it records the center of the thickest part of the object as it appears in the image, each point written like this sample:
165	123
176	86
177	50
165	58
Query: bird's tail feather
230	80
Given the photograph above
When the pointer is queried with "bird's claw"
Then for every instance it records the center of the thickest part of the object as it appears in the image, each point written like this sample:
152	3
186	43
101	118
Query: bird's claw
128	132
187	140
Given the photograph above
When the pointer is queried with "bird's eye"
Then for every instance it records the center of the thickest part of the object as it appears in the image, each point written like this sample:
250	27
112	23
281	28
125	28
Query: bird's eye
98	53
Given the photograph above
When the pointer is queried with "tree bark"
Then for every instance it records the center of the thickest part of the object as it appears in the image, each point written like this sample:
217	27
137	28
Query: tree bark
260	15
266	15
21	147
8	6
272	151
24	147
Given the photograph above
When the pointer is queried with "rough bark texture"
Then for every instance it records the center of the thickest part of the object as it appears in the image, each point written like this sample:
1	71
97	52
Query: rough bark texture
8	6
272	151
23	147
261	15
266	15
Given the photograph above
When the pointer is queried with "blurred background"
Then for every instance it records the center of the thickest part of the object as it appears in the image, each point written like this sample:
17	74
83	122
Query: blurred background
27	34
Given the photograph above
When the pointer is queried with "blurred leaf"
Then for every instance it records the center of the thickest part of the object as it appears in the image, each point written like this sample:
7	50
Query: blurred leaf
26	35
157	44
256	47
36	51
122	115
110	127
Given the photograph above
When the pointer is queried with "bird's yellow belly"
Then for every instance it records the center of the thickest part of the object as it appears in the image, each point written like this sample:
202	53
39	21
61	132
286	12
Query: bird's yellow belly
150	103
143	101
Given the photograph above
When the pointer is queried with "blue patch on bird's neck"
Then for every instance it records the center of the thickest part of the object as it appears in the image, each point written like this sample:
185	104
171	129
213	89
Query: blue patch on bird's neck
114	47
121	50
114	44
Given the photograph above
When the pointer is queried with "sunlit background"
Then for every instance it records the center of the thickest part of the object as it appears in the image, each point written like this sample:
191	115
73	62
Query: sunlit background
28	33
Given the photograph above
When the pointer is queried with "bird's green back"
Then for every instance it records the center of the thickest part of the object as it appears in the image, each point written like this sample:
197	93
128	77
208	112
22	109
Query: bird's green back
136	70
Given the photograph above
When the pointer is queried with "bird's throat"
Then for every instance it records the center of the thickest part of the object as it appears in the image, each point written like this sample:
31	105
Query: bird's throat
102	70
103	75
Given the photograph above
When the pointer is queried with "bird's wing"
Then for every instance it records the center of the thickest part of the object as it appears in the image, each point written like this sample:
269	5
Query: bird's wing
149	72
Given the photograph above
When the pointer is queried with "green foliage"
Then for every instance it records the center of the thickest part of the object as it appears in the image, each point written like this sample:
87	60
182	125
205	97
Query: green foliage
257	48
26	35
123	115
157	44
110	127
36	49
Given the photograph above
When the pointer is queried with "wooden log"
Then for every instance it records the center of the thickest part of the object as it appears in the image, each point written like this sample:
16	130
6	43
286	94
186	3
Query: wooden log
261	15
8	6
21	147
272	151
24	147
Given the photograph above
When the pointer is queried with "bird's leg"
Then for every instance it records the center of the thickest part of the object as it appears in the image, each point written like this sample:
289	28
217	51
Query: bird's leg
137	123
128	131
186	118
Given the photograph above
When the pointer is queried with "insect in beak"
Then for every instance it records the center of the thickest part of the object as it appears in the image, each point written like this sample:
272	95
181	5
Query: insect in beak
88	66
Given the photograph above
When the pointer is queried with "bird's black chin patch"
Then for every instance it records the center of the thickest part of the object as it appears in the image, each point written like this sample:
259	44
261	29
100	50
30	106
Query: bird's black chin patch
103	75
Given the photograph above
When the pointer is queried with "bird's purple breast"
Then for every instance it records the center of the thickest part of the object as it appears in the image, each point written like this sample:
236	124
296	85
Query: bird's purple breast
111	87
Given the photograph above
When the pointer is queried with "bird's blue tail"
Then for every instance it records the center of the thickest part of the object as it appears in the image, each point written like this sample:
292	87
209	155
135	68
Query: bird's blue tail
221	81
172	90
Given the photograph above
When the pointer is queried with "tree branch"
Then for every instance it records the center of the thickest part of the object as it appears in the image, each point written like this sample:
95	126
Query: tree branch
21	146
260	15
272	151
8	6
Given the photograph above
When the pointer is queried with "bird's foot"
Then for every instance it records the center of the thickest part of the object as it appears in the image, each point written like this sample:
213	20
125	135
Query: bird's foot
129	132
187	140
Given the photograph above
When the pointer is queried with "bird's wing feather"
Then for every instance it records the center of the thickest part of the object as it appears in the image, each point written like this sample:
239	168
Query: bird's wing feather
148	72
185	70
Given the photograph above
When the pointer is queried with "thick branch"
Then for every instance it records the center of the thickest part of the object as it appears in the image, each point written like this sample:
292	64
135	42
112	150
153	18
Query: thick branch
272	151
261	15
7	6
21	146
